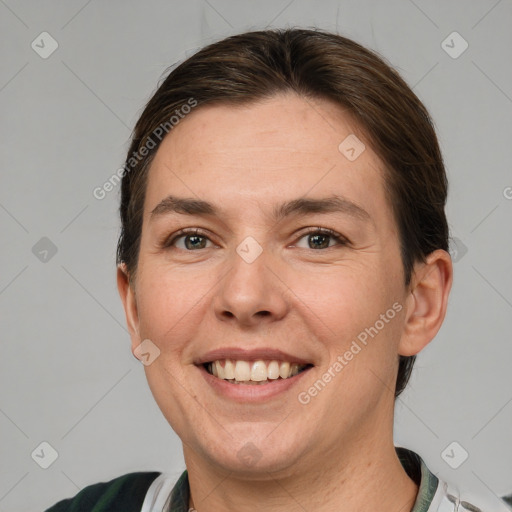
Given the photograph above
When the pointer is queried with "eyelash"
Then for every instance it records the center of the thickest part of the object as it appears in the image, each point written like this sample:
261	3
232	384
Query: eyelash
169	242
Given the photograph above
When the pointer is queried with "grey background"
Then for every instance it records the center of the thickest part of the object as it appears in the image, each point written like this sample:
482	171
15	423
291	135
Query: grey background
67	375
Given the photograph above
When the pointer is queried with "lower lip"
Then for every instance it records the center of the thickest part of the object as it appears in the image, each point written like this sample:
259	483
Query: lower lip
251	392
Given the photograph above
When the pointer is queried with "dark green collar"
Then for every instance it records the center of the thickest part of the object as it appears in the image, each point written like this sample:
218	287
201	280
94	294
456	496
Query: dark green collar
419	473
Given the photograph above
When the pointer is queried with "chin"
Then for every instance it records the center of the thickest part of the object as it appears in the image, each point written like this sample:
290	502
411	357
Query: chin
252	464
250	455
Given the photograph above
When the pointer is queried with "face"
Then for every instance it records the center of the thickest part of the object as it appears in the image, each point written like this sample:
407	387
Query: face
295	259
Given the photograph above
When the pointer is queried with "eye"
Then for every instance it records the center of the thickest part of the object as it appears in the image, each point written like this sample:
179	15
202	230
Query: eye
192	239
320	238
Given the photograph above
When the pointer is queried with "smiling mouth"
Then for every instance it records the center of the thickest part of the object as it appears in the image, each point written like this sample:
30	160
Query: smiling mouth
254	372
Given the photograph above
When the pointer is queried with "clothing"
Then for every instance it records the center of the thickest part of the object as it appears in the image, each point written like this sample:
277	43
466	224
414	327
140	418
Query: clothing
157	492
123	494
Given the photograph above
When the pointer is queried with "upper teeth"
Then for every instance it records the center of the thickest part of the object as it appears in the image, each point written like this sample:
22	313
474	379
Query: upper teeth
256	371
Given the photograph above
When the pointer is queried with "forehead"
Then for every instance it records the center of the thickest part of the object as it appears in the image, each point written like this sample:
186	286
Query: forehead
282	146
286	124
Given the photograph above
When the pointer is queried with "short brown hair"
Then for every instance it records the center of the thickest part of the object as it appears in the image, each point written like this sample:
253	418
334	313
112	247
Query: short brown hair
314	64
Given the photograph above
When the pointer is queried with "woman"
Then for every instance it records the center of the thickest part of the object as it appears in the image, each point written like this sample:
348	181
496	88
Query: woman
282	260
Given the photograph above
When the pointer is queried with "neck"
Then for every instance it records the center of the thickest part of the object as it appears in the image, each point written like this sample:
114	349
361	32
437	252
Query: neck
366	476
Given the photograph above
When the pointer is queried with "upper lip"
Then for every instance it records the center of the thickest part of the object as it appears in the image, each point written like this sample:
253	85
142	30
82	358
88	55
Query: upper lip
270	354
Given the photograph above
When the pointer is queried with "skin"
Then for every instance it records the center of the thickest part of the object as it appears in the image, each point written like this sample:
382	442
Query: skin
336	452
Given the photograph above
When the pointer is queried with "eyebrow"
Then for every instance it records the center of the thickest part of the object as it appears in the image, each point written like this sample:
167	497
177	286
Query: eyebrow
299	207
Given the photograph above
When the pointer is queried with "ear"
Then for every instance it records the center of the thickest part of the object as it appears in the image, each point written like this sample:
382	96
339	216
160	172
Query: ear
427	302
127	294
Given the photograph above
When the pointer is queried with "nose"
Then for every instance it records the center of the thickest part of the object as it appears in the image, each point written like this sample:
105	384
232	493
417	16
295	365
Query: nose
252	292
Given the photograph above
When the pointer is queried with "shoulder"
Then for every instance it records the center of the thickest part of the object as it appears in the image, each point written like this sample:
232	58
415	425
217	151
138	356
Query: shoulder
124	494
465	500
436	495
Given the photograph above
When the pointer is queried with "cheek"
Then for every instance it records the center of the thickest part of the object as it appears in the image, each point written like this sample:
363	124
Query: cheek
346	296
168	303
356	304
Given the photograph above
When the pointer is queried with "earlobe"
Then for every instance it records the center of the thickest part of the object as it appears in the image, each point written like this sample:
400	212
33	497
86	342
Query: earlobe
427	302
128	298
